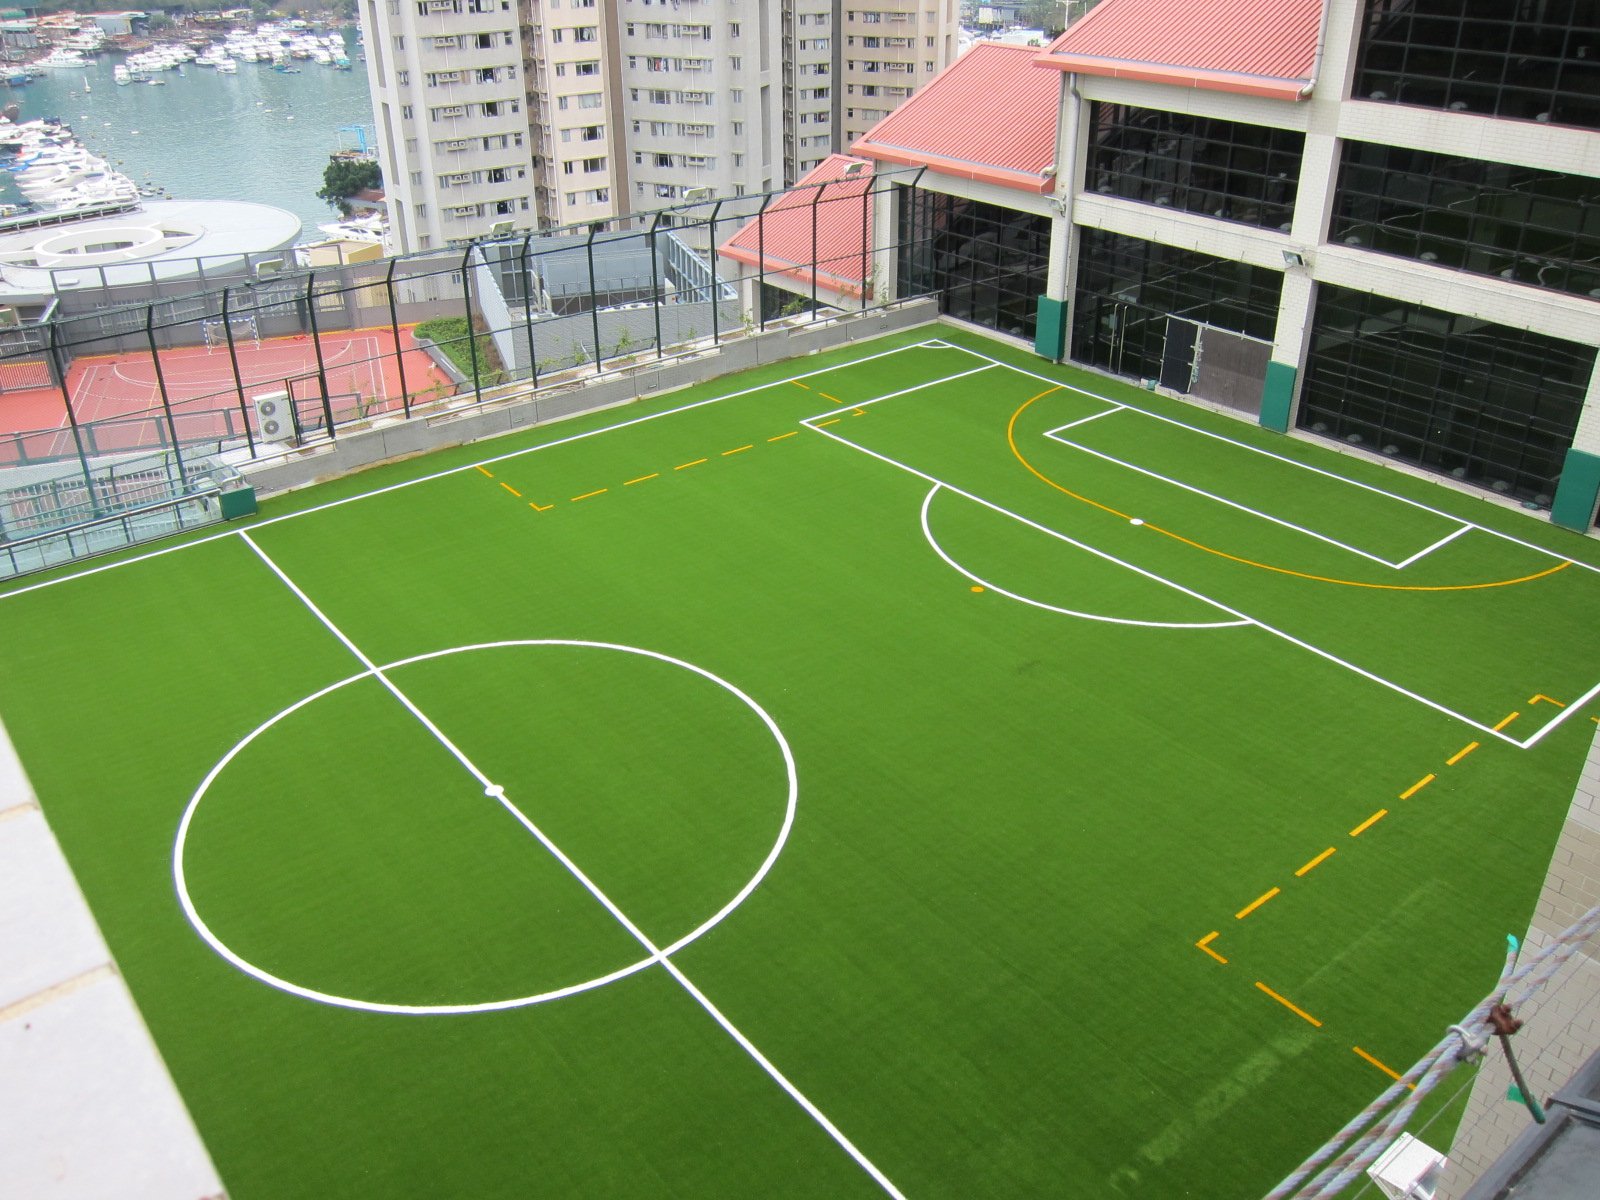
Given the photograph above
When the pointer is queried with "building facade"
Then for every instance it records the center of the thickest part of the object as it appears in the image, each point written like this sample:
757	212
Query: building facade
548	113
1372	221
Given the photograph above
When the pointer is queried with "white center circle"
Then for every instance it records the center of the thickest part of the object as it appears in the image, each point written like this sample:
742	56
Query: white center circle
494	791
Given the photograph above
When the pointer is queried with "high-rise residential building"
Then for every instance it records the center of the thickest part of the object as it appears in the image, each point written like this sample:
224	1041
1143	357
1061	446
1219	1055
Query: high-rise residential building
544	113
885	52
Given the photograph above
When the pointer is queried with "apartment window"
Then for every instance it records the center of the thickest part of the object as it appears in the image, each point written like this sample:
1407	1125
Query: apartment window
736	62
584	33
733	29
403	78
591	133
592	67
592	165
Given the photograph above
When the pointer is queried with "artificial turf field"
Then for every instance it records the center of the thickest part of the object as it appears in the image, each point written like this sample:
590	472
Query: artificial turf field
917	770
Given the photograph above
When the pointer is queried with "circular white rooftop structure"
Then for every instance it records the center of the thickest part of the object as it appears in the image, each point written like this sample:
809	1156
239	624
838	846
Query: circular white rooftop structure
162	239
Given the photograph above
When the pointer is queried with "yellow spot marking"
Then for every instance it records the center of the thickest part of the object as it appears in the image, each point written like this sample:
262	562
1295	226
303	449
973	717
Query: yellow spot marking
1387	1070
1315	862
1460	754
1546	699
1507	721
835	399
1299	1012
1420	784
830	421
1255	904
540	507
1016	452
512	490
976	588
781	436
687	465
1369	822
487	472
586	495
1202	944
798	384
737	450
642	478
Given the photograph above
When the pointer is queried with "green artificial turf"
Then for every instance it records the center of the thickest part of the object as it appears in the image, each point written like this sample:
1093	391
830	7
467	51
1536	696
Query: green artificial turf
1031	775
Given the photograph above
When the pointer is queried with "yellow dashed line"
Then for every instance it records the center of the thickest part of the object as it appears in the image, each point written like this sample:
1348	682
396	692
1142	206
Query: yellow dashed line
830	421
1507	721
1299	1012
1369	822
835	399
642	478
1315	862
737	450
798	384
1460	754
1202	944
512	490
1420	784
1541	697
687	465
1255	904
586	495
1387	1070
540	507
487	472
781	436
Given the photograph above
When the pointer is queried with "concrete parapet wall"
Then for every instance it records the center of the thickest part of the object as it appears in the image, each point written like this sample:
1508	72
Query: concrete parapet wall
523	407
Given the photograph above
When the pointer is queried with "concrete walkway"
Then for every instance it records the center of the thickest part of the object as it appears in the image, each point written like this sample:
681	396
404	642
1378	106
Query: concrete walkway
89	1109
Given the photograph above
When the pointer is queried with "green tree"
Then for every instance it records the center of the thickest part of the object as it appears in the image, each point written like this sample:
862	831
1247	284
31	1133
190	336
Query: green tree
344	177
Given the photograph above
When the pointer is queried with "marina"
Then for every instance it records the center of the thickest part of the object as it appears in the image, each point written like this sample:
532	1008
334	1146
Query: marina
252	116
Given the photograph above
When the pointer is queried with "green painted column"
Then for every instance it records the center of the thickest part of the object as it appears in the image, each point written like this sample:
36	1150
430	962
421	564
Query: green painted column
1277	396
1050	340
1578	491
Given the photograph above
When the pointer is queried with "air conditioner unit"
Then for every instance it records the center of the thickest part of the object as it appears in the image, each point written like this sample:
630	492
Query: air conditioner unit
274	418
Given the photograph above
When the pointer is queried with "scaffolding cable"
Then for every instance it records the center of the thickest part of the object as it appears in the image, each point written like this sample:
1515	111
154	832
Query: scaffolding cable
1344	1157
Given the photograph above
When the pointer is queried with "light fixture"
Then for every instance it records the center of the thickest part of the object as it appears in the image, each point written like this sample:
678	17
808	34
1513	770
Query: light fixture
502	229
1293	258
268	267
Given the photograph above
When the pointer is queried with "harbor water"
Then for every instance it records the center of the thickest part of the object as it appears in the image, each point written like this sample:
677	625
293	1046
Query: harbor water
260	134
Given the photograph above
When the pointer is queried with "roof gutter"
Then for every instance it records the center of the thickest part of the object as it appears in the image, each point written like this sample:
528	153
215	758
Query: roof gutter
1316	58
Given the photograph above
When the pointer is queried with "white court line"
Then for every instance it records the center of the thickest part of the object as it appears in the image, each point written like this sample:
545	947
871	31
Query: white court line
1486	730
1244	508
927	533
1426	550
1085	420
588	884
1448	516
472	466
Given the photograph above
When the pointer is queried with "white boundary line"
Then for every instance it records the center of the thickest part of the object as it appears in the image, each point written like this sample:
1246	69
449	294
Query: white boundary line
655	952
1244	508
1451	517
927	532
471	466
1486	730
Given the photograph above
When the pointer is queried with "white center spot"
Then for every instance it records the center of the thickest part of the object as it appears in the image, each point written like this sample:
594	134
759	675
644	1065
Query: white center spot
1136	521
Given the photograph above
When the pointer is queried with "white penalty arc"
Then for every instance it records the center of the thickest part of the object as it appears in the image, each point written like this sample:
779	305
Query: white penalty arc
210	937
927	532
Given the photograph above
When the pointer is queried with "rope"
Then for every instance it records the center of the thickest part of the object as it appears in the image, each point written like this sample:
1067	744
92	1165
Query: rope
1350	1150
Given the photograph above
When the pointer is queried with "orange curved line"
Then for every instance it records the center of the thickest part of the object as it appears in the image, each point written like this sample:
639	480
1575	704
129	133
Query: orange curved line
1011	439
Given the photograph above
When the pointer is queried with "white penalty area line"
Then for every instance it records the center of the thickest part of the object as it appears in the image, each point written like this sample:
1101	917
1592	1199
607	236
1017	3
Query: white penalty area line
1242	617
472	466
1367	487
655	952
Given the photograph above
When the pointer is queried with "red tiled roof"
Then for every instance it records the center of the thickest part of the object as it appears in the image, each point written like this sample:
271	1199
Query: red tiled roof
829	201
1253	47
985	116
